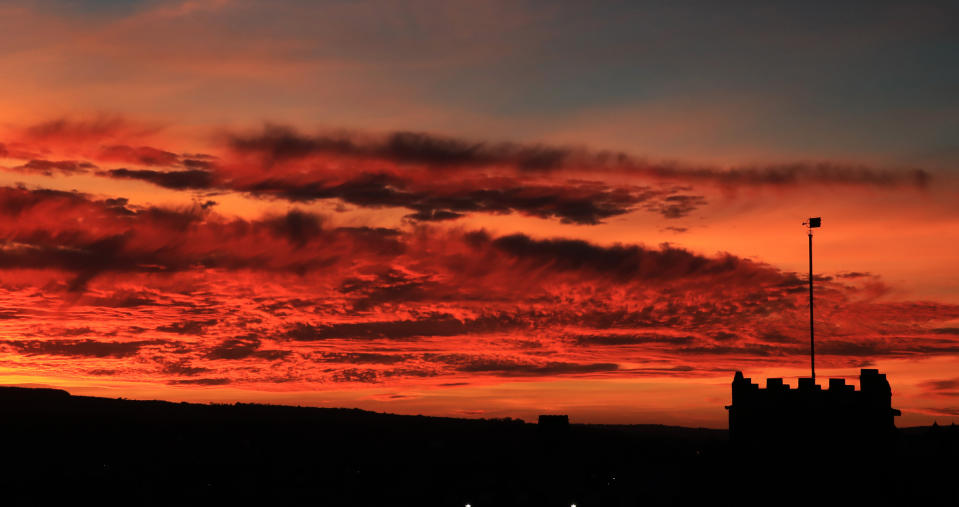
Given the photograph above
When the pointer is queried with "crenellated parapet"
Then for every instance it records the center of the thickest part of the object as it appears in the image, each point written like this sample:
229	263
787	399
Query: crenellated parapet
781	413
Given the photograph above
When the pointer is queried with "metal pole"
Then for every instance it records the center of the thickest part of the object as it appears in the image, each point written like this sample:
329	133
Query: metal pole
812	343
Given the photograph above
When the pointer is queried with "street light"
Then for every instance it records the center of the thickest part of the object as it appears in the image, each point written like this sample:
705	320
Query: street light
811	224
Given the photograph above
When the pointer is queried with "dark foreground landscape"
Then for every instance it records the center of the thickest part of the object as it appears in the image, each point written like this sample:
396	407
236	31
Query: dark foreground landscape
63	449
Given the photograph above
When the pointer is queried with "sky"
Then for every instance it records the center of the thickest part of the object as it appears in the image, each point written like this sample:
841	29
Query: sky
478	208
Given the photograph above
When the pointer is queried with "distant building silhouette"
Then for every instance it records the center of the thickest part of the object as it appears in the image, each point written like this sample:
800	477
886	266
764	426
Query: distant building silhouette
781	415
553	423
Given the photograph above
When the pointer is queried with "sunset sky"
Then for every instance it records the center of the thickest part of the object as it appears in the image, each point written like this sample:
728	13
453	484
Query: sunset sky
478	208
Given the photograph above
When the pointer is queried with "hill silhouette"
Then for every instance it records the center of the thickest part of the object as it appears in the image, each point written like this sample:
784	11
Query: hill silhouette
61	448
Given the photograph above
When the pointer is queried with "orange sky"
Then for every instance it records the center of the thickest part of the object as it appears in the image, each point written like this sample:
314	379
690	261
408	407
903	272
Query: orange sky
413	222
437	275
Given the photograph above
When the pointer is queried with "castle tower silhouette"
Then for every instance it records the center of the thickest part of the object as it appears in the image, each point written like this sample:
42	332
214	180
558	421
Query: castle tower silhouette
809	414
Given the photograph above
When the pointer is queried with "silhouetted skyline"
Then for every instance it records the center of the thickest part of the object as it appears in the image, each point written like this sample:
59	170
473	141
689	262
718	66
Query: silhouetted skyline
77	448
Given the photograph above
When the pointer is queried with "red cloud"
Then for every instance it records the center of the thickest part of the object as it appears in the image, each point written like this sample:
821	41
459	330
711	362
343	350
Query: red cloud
50	167
229	297
190	297
142	155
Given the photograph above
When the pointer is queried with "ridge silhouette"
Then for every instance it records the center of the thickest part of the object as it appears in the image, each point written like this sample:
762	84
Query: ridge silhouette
60	449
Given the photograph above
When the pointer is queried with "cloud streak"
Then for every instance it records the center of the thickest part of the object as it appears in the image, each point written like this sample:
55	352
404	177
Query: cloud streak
79	348
437	178
275	144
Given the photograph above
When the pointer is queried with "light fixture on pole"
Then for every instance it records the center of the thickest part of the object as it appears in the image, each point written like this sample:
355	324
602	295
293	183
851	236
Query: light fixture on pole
811	224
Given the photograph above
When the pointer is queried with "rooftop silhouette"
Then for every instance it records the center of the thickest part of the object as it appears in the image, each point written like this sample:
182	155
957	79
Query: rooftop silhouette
810	414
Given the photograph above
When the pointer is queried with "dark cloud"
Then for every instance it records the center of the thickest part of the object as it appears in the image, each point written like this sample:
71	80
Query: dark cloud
677	206
433	215
744	350
183	368
49	167
359	357
272	355
795	174
237	348
202	165
666	370
587	340
355	375
423	148
439	325
400	170
513	368
205	157
946	388
278	143
411	372
854	275
296	226
8	314
571	202
464	363
16	201
201	381
372	233
93	237
947	411
851	349
480	184
430	199
387	287
119	299
103	372
724	336
86	259
941	385
946	330
73	331
194	327
79	348
142	155
620	261
243	348
885	347
770	336
177	180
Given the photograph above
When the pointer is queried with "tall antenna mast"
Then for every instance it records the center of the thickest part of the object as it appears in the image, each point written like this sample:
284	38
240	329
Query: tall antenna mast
811	224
